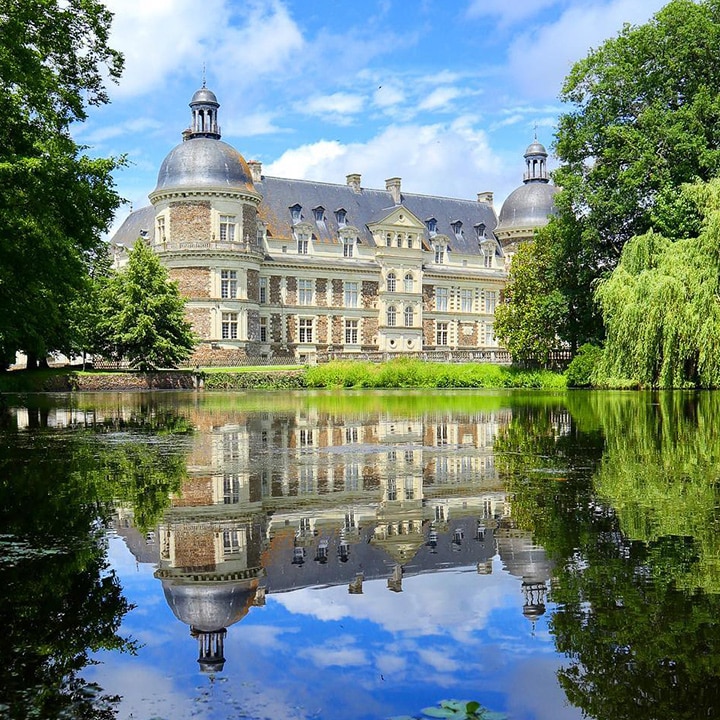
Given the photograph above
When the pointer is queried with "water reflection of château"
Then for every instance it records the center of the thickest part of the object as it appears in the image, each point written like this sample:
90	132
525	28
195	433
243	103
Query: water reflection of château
276	502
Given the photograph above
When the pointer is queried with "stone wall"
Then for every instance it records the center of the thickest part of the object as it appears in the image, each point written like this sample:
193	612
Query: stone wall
291	290
370	331
193	282
429	333
321	287
467	334
249	220
428	293
370	290
190	221
200	321
338	299
253	285
196	492
337	336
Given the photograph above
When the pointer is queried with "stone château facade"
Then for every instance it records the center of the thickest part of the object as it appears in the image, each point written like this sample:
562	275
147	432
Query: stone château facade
276	268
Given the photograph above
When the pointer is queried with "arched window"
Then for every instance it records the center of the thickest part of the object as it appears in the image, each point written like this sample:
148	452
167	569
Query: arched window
409	316
391	282
392	316
408	282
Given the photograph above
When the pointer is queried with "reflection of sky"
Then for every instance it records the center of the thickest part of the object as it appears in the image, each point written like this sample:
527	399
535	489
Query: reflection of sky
323	653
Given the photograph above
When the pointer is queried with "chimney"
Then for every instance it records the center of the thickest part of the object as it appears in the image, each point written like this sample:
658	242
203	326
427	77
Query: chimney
486	197
353	180
255	170
392	185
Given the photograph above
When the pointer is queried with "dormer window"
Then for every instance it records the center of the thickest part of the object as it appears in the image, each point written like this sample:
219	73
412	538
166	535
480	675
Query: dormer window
296	213
431	224
457	228
302	243
341	217
480	230
439	249
348	247
319	214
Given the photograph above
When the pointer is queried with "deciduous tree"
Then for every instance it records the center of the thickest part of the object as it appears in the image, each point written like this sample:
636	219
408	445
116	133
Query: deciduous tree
55	201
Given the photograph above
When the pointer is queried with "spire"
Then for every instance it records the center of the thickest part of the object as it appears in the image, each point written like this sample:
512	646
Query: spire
204	106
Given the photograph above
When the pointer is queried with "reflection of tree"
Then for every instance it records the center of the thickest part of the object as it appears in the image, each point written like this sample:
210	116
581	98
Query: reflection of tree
58	599
626	545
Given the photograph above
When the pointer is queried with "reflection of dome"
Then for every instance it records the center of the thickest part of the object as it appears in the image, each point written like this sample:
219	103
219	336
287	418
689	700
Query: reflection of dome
209	606
528	206
204	162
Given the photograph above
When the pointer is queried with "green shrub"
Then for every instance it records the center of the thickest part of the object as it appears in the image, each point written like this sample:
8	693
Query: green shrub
582	370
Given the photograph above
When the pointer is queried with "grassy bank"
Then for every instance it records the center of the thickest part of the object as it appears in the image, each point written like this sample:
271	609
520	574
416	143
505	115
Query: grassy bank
352	374
418	374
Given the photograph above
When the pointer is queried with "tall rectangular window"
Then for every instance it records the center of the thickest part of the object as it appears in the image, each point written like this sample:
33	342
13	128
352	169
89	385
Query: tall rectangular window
229	326
160	227
439	254
305	292
351	332
441	299
466	300
227	228
489	334
351	294
263	290
263	329
305	330
302	245
348	247
490	301
228	283
441	333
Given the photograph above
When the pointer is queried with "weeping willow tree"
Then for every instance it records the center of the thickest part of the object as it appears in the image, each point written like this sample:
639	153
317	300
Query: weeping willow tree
661	305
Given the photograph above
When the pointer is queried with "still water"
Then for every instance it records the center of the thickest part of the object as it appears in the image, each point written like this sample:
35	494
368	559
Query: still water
360	556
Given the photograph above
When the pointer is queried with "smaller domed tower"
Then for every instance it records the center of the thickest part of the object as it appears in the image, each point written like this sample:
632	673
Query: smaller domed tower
529	206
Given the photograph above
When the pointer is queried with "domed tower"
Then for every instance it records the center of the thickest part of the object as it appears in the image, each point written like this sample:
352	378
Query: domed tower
205	231
529	206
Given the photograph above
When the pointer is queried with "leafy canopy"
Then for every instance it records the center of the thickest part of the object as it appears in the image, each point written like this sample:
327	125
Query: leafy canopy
660	305
55	201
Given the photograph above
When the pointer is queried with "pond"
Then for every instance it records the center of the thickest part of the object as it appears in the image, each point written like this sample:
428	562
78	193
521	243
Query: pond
360	555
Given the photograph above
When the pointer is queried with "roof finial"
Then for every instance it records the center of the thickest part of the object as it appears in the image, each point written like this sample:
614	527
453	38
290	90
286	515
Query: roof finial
535	126
204	79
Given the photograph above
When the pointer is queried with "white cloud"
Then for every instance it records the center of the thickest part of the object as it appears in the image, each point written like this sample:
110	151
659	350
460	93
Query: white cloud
165	38
453	160
92	136
440	99
509	13
540	58
388	95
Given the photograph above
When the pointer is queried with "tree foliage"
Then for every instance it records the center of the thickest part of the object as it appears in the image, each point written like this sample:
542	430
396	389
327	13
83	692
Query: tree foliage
660	305
643	119
55	201
527	323
143	314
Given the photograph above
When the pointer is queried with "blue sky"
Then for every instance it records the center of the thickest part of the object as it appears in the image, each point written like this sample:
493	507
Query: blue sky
445	94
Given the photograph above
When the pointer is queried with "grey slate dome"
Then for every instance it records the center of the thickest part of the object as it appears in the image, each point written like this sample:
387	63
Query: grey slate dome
528	206
204	163
203	95
535	148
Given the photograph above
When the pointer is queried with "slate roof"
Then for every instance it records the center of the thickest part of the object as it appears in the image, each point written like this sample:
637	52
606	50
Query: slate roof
365	207
362	208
